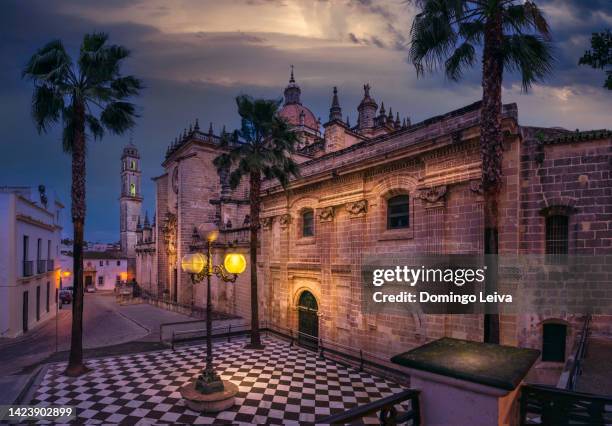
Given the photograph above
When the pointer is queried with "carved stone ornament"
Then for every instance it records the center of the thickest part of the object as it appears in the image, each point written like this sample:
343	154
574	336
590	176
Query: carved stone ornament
433	195
169	231
285	220
266	222
326	214
357	208
476	186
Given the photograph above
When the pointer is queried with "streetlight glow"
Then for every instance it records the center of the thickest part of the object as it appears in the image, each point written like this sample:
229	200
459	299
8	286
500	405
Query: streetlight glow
193	263
235	263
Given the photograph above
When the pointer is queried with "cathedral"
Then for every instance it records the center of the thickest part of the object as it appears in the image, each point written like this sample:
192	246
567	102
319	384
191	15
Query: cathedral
382	186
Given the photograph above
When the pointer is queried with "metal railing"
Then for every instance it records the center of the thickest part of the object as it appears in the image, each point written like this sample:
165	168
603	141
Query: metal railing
50	265
580	353
41	266
192	310
547	405
347	355
388	413
28	266
226	332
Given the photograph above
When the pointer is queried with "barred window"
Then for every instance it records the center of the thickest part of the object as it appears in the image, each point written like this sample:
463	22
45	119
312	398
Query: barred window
557	232
308	223
398	209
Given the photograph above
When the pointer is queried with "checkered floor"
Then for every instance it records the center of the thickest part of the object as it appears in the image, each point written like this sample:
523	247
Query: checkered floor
279	385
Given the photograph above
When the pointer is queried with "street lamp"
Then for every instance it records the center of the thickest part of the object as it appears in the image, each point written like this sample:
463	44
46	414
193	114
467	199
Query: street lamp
214	394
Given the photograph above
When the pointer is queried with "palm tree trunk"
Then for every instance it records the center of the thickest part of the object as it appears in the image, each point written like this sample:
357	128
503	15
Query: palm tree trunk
255	187
491	153
75	361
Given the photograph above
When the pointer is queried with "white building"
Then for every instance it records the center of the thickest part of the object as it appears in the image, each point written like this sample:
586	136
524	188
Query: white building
30	234
102	270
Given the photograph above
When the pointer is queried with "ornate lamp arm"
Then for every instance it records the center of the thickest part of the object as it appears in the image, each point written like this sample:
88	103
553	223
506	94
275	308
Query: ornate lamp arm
221	273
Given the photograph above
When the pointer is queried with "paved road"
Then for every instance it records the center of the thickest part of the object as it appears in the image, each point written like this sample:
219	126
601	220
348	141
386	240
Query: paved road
105	323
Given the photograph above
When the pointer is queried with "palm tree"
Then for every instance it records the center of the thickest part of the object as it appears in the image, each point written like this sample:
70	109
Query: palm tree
261	148
599	56
87	98
512	36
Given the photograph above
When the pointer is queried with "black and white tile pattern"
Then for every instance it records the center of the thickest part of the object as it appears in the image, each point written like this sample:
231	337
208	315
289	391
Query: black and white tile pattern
280	385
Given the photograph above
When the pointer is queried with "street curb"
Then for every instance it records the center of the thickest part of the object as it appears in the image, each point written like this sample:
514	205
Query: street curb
27	392
135	322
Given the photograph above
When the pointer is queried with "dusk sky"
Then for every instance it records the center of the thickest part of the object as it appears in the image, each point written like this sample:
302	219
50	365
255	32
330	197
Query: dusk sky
196	56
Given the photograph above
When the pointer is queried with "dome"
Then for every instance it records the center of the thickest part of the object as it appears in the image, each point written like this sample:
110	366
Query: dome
297	114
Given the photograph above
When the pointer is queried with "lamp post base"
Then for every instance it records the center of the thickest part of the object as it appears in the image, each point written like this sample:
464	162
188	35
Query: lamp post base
209	402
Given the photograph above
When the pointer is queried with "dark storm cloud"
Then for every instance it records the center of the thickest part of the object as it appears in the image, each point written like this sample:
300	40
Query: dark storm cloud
197	74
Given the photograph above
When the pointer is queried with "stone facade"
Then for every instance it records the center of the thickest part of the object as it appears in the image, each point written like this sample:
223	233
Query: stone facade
348	175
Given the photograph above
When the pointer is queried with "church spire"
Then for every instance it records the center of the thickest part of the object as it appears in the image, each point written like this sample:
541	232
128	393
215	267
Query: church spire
292	91
367	109
335	112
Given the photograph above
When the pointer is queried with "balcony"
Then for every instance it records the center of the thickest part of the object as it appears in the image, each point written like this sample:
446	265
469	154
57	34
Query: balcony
41	266
28	266
50	265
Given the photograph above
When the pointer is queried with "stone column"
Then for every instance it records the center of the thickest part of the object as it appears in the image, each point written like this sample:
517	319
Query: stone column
357	238
325	235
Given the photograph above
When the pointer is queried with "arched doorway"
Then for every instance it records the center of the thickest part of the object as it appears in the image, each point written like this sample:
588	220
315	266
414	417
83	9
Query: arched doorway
308	320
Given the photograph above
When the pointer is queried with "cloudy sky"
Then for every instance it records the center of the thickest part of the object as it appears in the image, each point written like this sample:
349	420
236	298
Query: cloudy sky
195	56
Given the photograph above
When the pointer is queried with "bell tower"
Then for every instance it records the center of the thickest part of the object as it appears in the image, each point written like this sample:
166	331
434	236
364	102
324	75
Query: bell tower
130	202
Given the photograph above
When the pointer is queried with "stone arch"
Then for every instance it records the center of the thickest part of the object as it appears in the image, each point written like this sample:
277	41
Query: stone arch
394	183
301	289
303	202
558	205
387	188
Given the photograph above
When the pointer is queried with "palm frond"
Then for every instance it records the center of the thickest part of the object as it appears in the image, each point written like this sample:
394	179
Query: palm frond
47	106
118	116
266	143
94	126
69	128
463	57
528	54
49	65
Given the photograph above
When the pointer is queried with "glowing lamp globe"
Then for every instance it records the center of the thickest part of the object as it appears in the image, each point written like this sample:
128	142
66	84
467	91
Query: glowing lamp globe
193	263
235	263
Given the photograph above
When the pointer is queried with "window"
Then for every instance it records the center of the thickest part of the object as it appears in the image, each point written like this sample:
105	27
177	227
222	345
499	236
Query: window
398	209
26	248
132	190
553	342
39	249
48	290
133	165
308	223
118	279
38	303
101	263
100	281
557	234
118	263
49	255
